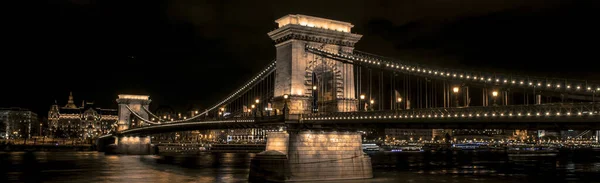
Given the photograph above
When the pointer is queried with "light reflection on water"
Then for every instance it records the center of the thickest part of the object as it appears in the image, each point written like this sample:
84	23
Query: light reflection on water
228	167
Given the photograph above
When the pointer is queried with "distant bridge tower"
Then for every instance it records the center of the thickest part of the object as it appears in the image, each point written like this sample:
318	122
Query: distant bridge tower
304	76
135	103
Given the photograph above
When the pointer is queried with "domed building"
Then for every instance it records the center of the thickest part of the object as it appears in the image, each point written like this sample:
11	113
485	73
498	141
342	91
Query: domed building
85	121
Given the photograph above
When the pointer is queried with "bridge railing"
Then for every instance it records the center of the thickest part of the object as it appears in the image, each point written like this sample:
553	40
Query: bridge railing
542	110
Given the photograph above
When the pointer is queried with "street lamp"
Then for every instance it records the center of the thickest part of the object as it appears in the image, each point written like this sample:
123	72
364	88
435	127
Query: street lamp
257	101
494	95
455	90
372	102
399	100
314	94
362	97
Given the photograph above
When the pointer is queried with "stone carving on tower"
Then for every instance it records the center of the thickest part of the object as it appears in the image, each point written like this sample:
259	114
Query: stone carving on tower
304	76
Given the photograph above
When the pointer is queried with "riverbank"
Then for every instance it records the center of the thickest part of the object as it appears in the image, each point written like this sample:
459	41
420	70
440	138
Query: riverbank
46	147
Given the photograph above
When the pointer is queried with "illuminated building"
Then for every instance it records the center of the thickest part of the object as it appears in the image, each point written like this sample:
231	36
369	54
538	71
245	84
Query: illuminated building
407	134
17	123
85	121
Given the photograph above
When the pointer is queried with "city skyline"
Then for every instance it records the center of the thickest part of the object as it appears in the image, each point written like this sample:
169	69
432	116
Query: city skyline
100	49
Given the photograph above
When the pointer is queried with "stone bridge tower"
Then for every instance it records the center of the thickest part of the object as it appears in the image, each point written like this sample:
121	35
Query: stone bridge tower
136	104
304	76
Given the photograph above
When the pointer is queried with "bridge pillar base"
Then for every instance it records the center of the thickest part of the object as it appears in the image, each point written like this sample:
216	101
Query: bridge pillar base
133	146
311	156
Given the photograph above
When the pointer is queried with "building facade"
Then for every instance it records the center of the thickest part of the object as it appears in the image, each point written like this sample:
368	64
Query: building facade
85	121
408	134
18	123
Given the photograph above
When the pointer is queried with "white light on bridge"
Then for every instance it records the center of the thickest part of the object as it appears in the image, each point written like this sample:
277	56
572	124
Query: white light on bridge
455	89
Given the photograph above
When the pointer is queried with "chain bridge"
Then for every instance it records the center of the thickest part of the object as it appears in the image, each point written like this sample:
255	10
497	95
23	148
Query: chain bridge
319	81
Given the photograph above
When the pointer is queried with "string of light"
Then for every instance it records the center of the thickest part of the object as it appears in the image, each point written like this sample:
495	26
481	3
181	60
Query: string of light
249	84
503	79
549	110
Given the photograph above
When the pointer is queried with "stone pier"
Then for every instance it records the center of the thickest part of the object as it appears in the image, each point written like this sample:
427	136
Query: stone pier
310	156
133	145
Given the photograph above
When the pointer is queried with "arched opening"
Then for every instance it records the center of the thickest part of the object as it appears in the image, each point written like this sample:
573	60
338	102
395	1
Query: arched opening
324	88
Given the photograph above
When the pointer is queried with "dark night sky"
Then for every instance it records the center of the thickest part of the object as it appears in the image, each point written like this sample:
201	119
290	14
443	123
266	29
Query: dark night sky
186	52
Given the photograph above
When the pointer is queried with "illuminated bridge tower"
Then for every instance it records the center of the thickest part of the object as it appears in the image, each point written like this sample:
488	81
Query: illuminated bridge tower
128	103
300	154
304	76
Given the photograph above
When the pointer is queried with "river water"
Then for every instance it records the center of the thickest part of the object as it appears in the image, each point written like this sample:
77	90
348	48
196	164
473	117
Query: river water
91	167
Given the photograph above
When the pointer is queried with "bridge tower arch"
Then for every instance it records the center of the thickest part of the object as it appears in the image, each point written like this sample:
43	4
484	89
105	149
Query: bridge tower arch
129	103
295	66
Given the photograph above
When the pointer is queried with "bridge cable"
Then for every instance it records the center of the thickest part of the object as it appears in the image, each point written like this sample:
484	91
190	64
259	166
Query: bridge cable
265	72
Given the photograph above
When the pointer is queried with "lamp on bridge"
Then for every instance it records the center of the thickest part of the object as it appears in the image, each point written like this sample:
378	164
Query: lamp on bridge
371	106
362	97
494	95
257	107
285	105
399	102
455	90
